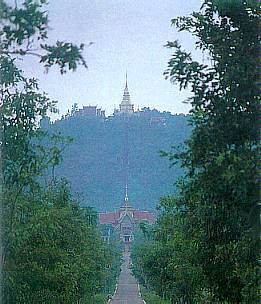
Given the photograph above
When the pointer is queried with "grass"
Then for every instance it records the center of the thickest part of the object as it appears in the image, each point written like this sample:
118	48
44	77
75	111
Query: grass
151	298
98	299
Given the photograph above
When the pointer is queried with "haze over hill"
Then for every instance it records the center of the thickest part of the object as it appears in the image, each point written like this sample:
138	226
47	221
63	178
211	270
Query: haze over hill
95	166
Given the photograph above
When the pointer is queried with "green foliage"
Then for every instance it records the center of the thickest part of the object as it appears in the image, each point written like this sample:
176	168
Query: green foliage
51	250
164	262
24	28
100	146
151	297
205	246
64	54
55	254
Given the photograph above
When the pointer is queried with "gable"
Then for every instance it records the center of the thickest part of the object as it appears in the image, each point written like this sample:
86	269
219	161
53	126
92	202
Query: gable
126	219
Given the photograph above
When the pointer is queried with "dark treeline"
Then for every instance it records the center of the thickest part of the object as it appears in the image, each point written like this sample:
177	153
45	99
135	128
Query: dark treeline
204	248
51	248
94	160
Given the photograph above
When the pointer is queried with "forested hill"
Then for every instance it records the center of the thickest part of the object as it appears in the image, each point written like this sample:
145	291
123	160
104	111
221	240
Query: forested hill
94	162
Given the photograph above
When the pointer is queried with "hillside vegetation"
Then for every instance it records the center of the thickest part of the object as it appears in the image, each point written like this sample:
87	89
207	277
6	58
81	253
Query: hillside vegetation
95	162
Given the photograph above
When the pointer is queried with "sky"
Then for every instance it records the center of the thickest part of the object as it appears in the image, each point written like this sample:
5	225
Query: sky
127	35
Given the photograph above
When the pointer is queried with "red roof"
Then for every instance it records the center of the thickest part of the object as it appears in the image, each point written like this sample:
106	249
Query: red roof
138	216
144	215
109	218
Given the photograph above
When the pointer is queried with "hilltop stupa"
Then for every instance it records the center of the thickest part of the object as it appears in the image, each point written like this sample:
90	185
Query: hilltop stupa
125	107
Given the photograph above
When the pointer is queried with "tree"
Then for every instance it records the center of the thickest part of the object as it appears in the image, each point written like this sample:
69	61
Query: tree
216	211
51	248
164	262
220	193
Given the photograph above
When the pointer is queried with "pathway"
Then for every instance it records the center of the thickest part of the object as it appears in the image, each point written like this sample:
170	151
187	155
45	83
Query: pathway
127	290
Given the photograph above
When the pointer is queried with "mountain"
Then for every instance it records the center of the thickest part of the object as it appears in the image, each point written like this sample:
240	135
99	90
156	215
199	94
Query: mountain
95	163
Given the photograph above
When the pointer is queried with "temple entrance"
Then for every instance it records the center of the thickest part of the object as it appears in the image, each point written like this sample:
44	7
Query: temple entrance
126	238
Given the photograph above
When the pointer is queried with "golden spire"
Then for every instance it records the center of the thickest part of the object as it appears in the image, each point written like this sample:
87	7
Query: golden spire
126	97
126	85
126	193
126	196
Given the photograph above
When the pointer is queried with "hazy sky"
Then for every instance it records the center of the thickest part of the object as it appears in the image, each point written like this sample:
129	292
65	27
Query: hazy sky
127	34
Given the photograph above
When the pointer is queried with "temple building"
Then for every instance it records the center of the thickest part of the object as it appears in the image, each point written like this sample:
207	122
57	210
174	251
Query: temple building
125	107
90	111
126	219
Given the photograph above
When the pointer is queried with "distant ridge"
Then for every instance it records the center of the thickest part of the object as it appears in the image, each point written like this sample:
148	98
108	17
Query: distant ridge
93	163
